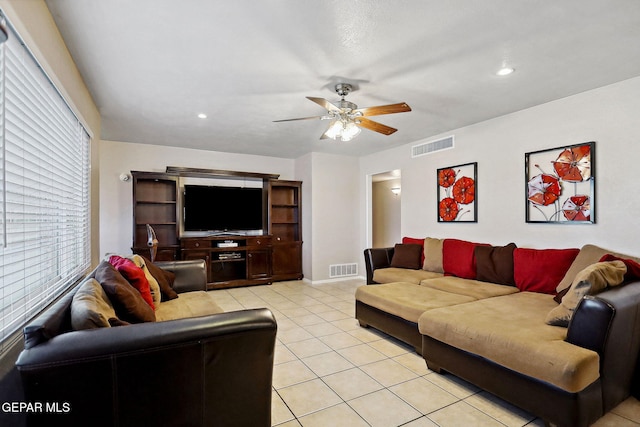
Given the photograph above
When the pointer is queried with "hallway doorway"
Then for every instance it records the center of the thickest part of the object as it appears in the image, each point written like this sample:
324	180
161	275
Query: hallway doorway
386	193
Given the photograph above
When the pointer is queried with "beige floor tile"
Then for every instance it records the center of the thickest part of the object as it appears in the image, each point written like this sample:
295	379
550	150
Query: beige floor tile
388	372
361	354
283	354
289	373
310	319
292	423
308	397
295	312
454	385
347	324
318	308
327	363
462	414
413	361
367	334
384	409
613	420
421	422
352	383
291	335
333	315
336	416
507	414
423	395
629	409
322	329
340	340
309	347
279	411
389	348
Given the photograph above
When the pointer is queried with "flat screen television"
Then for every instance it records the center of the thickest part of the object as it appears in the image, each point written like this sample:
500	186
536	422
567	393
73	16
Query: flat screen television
218	209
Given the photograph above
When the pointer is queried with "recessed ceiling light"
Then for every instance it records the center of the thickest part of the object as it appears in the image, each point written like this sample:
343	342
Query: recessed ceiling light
202	116
505	71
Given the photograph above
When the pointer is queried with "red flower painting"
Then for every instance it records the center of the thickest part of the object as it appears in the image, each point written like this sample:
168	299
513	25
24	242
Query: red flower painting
457	193
566	192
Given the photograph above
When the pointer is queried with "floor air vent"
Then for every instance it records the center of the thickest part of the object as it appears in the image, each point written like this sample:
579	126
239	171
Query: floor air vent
432	146
343	270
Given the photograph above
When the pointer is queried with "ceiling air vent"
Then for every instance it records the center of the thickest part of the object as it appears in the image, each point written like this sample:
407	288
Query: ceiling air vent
432	146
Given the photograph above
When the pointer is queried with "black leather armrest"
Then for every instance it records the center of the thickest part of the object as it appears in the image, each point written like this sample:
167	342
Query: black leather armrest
375	258
191	275
609	323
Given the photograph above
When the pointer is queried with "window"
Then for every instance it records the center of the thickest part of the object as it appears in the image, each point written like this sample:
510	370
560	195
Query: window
44	190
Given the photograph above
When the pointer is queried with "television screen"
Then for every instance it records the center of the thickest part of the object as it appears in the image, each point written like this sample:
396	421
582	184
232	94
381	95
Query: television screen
221	209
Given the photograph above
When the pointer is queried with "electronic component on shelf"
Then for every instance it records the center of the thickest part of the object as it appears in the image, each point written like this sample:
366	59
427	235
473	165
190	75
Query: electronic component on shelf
227	244
229	255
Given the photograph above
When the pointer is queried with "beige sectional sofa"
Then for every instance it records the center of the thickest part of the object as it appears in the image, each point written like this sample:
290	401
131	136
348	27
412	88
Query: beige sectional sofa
505	337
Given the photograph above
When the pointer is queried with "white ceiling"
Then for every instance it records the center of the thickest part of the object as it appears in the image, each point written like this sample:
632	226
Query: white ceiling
153	65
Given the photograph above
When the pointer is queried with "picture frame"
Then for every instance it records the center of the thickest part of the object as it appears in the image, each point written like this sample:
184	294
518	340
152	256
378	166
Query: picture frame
457	190
560	185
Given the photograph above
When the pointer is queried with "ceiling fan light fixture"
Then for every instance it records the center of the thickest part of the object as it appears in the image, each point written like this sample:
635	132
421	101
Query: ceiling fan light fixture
505	71
349	131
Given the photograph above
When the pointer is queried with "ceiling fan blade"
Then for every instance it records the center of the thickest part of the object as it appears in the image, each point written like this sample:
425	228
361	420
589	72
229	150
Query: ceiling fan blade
375	126
401	107
324	104
301	118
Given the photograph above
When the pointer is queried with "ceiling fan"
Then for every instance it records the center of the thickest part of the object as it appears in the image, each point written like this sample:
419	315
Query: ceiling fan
348	118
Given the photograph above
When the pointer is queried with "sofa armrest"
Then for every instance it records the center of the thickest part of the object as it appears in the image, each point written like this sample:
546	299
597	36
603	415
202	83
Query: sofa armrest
375	258
191	275
221	365
609	323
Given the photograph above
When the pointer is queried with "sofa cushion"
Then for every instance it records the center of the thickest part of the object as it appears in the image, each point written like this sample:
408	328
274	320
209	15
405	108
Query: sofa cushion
190	304
495	264
154	287
468	287
392	274
541	270
591	280
406	300
91	307
510	331
134	275
458	258
588	255
433	255
127	301
406	256
633	267
414	241
164	278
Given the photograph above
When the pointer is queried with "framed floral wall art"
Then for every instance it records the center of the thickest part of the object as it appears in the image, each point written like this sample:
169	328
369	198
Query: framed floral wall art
560	184
457	193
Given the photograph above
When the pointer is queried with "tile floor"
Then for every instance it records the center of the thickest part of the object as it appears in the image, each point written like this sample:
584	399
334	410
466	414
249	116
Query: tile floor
329	371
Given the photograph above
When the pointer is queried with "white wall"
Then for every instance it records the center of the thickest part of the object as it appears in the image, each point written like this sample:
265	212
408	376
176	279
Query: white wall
607	115
116	211
330	212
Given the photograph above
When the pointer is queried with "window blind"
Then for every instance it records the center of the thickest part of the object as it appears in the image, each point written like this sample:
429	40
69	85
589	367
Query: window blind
44	191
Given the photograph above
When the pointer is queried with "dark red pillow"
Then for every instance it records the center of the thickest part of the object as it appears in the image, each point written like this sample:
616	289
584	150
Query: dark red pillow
458	258
540	270
414	241
633	267
406	256
495	264
134	275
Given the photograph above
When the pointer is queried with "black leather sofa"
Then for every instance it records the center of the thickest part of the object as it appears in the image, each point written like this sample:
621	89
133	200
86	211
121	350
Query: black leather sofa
213	370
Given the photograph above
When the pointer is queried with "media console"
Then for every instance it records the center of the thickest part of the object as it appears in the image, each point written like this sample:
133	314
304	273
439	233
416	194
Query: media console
231	260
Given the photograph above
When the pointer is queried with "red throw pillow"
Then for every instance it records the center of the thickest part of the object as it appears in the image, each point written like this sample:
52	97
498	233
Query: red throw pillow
414	241
134	275
633	268
458	258
540	270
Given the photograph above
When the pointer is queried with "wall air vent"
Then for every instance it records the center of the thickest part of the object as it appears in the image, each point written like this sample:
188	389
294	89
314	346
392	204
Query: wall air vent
343	270
432	146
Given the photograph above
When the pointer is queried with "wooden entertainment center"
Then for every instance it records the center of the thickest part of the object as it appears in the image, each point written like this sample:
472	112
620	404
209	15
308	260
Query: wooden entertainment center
232	260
